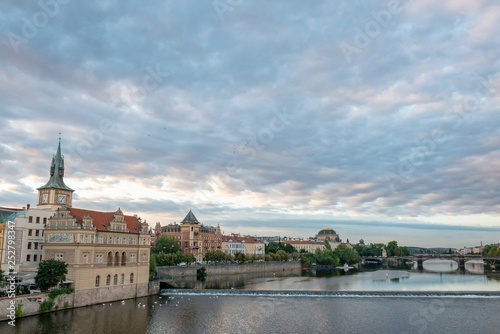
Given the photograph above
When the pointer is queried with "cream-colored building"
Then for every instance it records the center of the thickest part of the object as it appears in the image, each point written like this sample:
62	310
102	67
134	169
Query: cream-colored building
107	253
306	245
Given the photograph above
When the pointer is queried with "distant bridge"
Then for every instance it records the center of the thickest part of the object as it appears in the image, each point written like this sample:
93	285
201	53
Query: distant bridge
420	259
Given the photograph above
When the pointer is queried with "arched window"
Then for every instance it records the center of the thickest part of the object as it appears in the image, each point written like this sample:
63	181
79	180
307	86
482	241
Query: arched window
123	279
117	258
123	258
132	278
115	279
110	258
97	279
108	279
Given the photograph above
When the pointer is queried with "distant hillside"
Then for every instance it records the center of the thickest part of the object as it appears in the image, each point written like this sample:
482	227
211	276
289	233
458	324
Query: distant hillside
435	250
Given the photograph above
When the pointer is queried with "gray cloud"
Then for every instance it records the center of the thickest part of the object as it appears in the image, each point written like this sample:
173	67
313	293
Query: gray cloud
182	102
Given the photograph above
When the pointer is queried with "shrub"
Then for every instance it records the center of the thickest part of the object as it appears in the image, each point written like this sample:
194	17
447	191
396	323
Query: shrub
46	305
19	310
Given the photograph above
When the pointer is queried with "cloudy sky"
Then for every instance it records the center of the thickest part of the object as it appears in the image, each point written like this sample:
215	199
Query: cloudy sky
377	118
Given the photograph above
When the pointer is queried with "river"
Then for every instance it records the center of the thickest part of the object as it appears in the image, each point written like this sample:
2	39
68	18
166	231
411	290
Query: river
373	301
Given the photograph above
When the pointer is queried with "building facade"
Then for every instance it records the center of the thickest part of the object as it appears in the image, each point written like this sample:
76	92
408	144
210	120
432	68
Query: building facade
232	245
306	245
107	253
194	237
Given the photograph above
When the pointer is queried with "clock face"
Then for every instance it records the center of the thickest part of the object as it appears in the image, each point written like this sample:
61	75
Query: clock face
44	198
62	199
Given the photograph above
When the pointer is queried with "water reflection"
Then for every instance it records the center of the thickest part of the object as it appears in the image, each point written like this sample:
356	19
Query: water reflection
440	266
475	266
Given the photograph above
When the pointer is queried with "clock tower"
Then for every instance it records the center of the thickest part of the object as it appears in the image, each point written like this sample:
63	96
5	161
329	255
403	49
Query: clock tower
55	193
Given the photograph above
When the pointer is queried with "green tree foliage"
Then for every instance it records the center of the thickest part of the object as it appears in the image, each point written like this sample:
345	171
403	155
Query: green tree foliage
215	256
493	251
2	278
391	246
50	272
189	258
167	245
347	254
152	264
402	251
288	248
239	256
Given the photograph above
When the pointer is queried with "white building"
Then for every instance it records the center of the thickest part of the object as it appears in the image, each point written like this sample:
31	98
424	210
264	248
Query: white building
29	228
231	245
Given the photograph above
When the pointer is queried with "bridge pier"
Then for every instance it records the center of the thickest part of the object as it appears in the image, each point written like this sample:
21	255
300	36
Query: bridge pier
420	264
461	265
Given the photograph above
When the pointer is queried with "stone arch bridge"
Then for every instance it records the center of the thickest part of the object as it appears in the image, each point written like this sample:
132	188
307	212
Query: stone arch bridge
420	259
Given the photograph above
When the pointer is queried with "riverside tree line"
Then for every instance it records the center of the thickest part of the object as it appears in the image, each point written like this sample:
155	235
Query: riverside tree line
167	252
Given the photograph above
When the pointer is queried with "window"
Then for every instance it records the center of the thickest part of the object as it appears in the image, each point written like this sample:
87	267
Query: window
132	278
59	257
86	239
115	279
30	232
28	257
37	233
30	219
36	245
108	280
85	257
98	258
29	245
132	258
35	257
38	220
97	279
44	221
123	279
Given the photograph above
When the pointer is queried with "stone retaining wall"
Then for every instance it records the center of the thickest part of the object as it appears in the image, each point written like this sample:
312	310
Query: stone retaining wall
29	304
259	267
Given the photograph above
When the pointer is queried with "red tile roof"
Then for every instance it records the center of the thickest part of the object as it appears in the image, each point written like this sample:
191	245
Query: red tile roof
102	220
303	242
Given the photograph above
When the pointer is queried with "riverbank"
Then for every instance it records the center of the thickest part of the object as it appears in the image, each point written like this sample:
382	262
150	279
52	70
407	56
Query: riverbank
28	305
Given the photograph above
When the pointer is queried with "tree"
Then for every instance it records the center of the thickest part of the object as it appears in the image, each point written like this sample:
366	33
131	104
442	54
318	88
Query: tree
167	245
50	272
2	278
390	247
347	254
239	256
190	258
288	248
152	265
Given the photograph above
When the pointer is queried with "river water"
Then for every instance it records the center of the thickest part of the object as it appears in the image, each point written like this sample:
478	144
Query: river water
377	301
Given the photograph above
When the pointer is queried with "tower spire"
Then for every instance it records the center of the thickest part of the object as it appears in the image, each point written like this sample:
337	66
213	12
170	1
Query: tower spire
57	171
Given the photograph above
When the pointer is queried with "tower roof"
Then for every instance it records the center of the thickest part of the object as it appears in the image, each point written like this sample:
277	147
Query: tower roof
190	218
57	171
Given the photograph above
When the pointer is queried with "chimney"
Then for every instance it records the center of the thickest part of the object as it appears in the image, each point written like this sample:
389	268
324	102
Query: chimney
27	206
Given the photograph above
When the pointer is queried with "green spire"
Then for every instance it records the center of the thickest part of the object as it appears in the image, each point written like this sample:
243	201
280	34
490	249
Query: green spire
57	171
